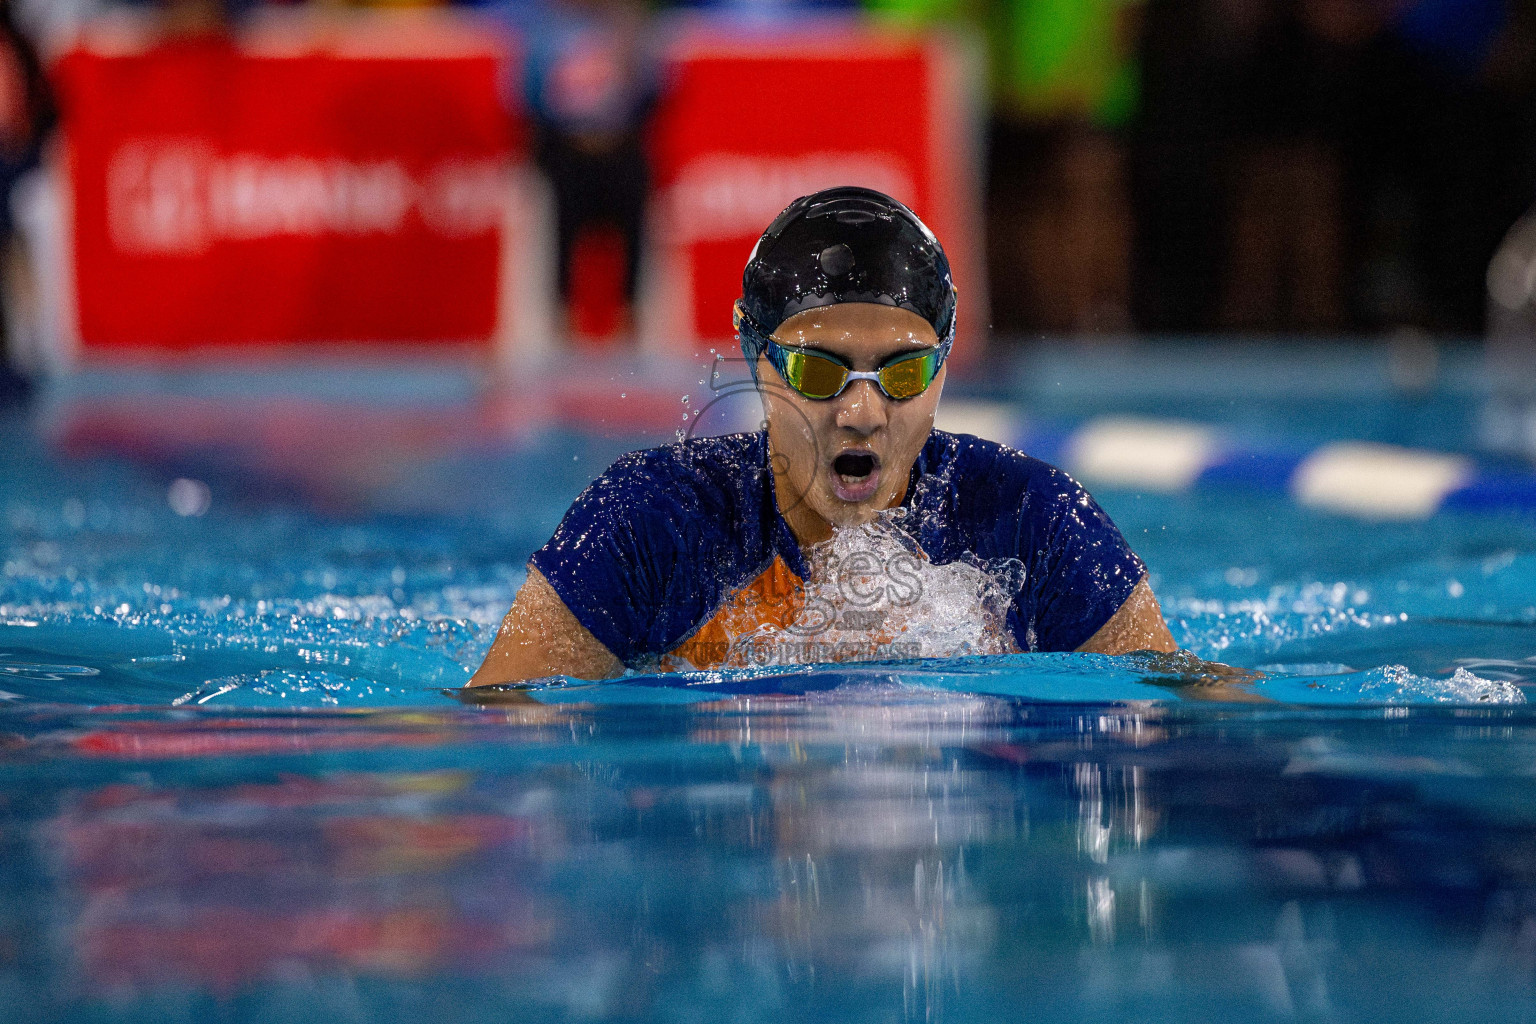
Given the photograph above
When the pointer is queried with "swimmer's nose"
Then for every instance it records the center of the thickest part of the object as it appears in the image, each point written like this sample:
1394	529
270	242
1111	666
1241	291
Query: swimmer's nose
861	408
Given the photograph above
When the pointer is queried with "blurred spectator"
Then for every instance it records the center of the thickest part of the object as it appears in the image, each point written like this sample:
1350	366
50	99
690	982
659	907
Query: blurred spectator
371	3
1288	72
1176	185
1327	165
26	118
1238	182
1442	157
1168	165
1064	78
591	86
194	17
1064	86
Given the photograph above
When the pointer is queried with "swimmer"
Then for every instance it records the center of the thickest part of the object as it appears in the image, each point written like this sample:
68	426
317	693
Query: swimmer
846	317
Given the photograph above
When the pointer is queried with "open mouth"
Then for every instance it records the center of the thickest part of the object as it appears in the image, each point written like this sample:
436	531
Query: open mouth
854	466
856	475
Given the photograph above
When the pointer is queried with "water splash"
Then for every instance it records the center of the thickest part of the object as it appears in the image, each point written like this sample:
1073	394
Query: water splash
871	594
1395	684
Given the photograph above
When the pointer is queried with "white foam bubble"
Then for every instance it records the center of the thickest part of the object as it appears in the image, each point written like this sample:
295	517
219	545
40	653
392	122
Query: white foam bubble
1395	684
872	594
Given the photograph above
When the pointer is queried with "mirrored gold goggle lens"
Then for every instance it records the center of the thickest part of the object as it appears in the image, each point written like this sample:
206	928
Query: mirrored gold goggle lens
812	375
908	378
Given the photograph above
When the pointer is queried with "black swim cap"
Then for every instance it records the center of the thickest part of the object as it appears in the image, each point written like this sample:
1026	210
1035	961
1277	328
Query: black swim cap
845	244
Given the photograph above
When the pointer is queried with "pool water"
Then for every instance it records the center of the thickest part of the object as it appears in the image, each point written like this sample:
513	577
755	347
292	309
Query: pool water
235	783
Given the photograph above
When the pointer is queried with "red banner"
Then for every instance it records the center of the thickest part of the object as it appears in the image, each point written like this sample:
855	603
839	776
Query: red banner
228	196
751	122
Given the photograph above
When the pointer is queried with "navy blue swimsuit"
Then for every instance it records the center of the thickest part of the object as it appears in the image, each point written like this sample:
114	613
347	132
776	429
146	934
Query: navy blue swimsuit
675	550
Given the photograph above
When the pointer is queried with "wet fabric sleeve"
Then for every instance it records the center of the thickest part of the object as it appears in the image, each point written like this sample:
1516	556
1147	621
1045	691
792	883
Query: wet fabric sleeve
623	562
1081	569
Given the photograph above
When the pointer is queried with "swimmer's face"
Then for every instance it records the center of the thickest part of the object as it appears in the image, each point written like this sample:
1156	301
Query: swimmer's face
839	461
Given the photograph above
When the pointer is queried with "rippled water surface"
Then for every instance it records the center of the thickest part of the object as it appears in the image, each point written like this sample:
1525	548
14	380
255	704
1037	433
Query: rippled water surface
233	787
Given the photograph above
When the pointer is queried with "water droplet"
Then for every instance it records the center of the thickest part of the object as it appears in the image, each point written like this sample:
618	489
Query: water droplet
685	399
623	394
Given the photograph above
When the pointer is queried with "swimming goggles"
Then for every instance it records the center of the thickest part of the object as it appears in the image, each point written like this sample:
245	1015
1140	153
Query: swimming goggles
822	375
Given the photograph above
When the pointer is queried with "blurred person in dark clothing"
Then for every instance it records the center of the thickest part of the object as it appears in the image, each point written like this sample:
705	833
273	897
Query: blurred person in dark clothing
1065	86
1446	131
194	17
1285	222
591	87
1175	183
26	119
1069	86
1237	179
372	3
1426	106
1328	165
190	18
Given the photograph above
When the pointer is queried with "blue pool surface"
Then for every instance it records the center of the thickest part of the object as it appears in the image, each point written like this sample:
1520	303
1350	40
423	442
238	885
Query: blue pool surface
236	783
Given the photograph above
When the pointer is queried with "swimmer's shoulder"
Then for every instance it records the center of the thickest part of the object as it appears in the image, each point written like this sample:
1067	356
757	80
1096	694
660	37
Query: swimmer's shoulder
703	474
974	467
662	512
1000	500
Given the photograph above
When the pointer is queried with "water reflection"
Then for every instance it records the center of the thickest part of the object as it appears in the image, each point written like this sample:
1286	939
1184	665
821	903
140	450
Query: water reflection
226	886
837	858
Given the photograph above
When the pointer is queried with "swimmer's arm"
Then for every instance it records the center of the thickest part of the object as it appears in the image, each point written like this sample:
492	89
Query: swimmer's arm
1137	626
541	637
